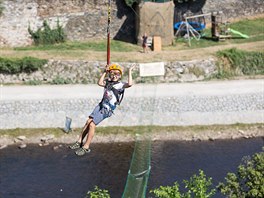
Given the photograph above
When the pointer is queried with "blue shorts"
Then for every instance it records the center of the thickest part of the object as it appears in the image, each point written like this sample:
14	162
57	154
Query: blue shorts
99	114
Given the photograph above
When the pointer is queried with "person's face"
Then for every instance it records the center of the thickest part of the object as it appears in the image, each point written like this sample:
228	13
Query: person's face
114	75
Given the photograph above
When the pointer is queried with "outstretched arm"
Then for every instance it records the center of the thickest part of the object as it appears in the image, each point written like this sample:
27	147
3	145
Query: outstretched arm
130	80
101	81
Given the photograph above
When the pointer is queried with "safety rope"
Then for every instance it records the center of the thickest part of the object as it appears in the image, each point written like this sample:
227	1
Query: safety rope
108	31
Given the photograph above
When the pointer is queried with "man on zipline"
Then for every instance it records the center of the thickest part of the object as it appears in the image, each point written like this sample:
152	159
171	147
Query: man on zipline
113	94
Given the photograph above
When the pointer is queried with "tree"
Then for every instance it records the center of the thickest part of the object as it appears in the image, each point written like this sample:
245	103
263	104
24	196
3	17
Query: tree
167	191
98	193
198	186
249	180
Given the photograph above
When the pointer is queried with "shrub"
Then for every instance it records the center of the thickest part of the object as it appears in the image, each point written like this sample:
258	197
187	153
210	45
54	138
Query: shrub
198	186
33	82
233	62
98	193
167	191
15	66
249	180
47	36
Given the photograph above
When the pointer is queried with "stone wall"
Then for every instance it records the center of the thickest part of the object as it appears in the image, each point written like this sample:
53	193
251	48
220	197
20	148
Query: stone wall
81	19
87	72
232	9
87	19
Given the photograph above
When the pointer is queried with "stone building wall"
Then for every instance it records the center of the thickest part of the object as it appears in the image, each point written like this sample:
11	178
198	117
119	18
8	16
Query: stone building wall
87	19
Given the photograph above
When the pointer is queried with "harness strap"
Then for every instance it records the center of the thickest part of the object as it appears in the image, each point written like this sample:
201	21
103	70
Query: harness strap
118	94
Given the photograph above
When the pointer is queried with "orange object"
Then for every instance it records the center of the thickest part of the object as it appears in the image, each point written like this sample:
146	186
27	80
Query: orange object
156	43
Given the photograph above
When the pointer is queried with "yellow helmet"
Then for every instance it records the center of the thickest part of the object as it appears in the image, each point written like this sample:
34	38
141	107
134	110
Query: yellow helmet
115	66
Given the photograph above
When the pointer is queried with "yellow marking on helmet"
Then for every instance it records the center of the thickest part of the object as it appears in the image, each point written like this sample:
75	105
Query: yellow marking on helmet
116	67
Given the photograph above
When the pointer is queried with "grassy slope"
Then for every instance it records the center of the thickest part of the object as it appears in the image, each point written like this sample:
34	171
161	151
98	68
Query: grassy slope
126	52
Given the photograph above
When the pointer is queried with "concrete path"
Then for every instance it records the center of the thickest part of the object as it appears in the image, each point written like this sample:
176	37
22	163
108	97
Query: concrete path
139	90
213	102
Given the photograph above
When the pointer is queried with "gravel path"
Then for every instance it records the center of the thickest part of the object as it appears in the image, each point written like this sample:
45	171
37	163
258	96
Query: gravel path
201	103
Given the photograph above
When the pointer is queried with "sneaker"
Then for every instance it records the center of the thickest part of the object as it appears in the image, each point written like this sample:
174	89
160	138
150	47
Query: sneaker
75	145
82	151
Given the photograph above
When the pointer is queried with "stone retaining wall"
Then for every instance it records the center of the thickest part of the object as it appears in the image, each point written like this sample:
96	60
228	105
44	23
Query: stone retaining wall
85	19
175	110
87	72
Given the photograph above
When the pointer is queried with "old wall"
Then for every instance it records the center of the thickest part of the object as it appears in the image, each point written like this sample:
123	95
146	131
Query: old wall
87	19
87	72
82	19
232	9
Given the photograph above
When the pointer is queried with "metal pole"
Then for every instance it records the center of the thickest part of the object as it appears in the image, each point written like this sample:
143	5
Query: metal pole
200	15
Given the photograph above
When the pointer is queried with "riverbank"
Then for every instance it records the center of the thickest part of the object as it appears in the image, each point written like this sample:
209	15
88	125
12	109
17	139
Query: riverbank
43	137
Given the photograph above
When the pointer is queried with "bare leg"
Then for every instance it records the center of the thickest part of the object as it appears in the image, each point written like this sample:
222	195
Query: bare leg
85	130
90	135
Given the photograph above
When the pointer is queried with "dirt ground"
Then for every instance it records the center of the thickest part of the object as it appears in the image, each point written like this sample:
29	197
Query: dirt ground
169	54
188	54
205	133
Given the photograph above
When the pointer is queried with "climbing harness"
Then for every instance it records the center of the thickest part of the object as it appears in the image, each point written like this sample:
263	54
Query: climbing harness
118	93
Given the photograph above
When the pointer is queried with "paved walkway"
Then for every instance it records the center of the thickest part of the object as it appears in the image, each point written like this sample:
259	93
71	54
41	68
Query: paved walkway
138	90
214	102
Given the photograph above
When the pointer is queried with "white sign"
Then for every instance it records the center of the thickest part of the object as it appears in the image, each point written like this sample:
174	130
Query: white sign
151	69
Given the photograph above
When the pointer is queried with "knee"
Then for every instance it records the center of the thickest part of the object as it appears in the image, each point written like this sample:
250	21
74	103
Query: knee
91	125
88	122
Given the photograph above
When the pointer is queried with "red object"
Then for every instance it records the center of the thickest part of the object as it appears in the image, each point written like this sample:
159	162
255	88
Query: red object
108	32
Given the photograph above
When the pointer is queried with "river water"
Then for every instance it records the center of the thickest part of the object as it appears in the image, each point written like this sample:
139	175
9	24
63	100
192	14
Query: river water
47	173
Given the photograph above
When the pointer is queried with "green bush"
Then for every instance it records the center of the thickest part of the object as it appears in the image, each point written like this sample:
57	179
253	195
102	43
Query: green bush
234	62
167	191
48	36
198	186
33	82
16	66
98	193
249	180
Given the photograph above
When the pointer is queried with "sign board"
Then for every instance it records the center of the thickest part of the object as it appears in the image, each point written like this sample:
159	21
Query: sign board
151	69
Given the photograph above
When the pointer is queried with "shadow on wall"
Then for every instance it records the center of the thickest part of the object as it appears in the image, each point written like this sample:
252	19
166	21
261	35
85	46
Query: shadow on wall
189	8
127	31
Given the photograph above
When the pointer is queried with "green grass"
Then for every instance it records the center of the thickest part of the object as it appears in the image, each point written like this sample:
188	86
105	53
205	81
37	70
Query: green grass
253	28
92	45
234	62
130	130
250	27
